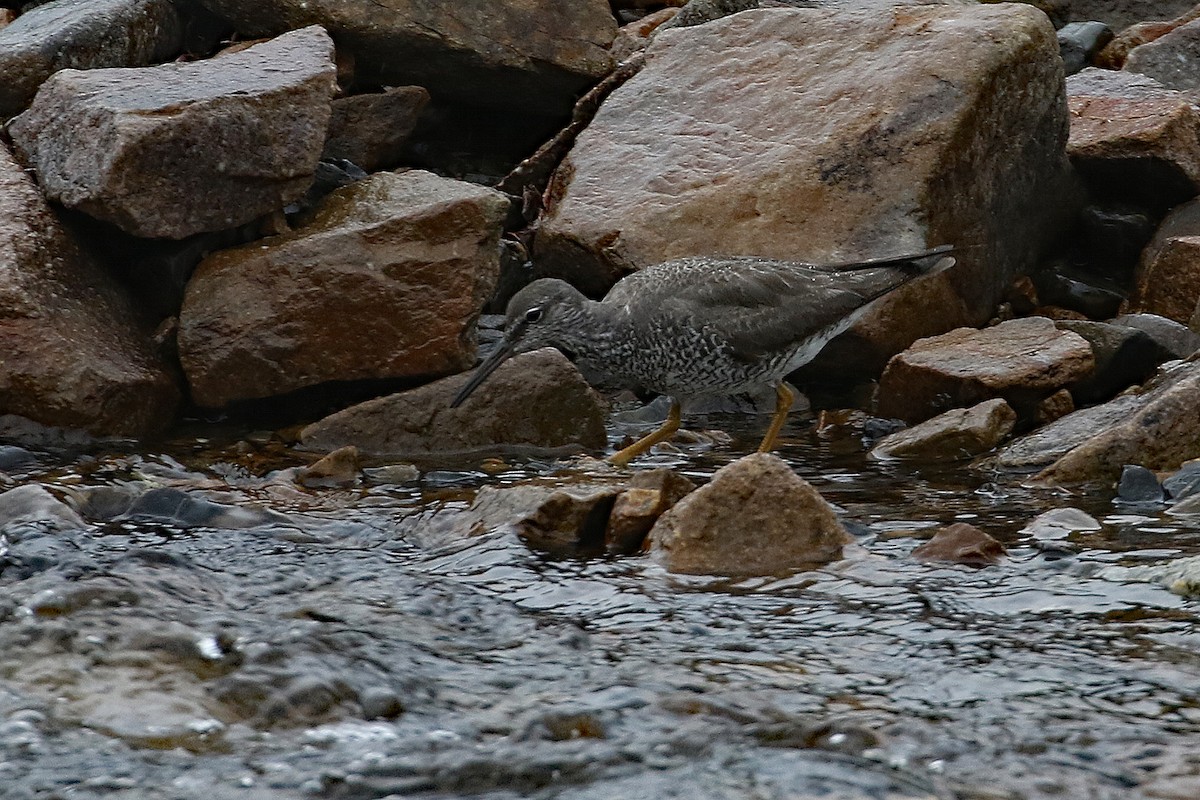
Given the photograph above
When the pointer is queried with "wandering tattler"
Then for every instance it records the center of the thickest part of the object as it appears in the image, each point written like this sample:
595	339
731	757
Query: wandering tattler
702	326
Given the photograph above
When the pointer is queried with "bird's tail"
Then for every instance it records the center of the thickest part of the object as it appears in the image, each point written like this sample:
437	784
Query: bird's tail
933	260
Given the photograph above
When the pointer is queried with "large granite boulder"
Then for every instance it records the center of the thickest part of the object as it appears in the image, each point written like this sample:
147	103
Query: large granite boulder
1132	139
174	150
82	34
535	400
537	55
824	135
73	354
385	281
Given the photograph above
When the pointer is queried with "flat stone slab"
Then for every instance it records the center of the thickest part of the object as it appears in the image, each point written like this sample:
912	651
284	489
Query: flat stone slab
958	433
178	149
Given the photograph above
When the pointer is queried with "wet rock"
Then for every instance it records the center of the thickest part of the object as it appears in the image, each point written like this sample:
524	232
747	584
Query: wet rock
1173	338
958	433
1059	287
1022	361
755	517
339	468
1159	432
537	399
1138	485
1079	41
167	506
638	506
712	142
379	702
1059	523
961	543
371	130
74	355
177	149
385	281
31	504
562	520
1132	139
1041	447
534	55
1184	483
15	459
1168	280
1124	356
1172	59
1181	576
83	34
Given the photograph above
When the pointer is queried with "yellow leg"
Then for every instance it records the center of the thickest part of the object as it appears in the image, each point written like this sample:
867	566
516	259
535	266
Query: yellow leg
783	404
622	458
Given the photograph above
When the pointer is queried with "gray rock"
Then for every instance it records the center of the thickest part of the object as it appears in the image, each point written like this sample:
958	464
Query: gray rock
178	149
698	12
1172	59
74	354
383	281
370	130
1138	485
82	34
1041	447
755	517
958	433
1124	356
537	400
1181	575
1184	483
32	504
1079	41
1059	523
1172	337
534	55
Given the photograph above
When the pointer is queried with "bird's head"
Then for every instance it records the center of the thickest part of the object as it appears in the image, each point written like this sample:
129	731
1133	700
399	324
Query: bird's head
540	315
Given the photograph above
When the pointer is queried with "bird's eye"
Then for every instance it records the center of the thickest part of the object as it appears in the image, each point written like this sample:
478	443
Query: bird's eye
533	315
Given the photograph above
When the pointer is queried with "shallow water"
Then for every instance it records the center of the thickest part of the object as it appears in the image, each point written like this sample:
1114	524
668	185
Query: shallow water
354	643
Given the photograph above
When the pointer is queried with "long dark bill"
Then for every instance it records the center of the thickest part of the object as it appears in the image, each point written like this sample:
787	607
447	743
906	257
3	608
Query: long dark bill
498	357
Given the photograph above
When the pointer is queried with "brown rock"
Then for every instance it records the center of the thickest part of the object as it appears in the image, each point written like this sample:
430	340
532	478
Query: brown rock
959	433
536	55
1194	324
385	281
1134	139
1168	280
177	149
634	37
1023	361
1054	407
371	130
1157	429
638	506
562	519
755	517
73	353
961	543
537	400
7	15
82	34
1172	59
824	135
339	468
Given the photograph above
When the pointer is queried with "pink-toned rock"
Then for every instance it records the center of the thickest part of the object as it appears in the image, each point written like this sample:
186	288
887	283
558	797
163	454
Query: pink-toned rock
385	281
1022	361
639	505
958	433
825	135
634	37
371	130
961	543
755	517
177	149
536	400
1168	279
73	354
1173	59
1134	139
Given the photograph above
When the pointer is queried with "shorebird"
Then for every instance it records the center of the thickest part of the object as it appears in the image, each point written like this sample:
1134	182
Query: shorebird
702	326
